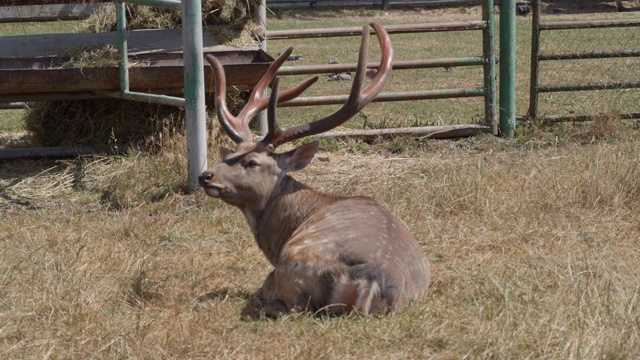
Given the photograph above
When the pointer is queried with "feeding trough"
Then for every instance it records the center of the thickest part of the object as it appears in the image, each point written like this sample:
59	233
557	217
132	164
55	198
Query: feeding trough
31	66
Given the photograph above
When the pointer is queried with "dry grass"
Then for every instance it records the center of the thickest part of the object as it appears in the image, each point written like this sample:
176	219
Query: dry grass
534	246
535	253
103	55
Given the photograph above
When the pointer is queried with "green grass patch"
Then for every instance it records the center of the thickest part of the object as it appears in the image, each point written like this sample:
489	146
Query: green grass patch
32	28
11	120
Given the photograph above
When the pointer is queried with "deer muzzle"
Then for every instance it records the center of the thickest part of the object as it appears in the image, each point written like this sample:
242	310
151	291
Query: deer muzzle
212	189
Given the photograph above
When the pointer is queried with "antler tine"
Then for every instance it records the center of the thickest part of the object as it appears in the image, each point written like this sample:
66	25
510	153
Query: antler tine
237	127
357	99
386	63
274	128
228	122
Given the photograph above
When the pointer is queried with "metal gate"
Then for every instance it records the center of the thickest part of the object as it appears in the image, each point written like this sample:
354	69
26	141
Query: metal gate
487	60
581	70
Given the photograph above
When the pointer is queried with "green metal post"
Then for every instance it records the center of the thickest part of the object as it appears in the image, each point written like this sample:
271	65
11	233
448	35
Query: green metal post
260	16
535	61
123	65
121	25
489	52
508	68
194	91
167	4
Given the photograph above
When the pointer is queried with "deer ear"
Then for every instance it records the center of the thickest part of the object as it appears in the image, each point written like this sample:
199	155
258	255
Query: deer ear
299	158
224	152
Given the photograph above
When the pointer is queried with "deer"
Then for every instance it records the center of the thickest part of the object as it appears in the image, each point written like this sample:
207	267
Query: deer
330	254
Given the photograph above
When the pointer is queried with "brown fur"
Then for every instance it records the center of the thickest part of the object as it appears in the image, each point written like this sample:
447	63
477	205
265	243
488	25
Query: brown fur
331	253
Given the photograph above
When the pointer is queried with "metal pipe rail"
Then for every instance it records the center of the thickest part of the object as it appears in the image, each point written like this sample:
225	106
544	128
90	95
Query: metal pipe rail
391	29
167	4
398	65
125	93
604	54
11	105
573	25
583	118
385	97
589	86
60	151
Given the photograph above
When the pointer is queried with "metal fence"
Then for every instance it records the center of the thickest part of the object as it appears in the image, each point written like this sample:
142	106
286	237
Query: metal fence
487	61
193	100
584	69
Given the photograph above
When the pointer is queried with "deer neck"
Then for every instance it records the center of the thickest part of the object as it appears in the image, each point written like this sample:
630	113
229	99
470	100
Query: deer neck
273	222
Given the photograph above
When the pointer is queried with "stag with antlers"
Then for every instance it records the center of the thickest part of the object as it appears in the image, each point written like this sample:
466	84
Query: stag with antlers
330	253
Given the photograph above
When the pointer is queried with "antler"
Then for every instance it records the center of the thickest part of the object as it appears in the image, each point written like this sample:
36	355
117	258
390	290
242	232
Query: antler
237	127
357	100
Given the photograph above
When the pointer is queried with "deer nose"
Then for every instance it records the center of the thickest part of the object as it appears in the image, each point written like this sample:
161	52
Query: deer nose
205	178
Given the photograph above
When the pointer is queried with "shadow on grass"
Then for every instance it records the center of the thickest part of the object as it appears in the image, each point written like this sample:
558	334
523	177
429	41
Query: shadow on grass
249	312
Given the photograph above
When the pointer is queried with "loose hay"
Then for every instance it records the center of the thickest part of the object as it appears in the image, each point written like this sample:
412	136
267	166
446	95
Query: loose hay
103	55
214	12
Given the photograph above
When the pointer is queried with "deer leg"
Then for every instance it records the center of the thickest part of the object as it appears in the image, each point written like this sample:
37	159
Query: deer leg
368	296
360	291
374	294
268	299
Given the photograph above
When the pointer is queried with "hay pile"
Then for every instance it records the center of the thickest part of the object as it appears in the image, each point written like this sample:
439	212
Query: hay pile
114	122
88	56
100	122
109	122
214	12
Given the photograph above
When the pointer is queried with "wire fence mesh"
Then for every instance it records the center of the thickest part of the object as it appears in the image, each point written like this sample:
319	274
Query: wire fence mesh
599	57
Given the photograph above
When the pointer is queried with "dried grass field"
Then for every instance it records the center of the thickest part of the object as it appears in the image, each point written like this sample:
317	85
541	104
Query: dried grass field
534	245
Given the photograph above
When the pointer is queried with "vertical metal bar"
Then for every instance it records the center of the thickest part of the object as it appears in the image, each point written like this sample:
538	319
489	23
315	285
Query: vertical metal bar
489	54
194	91
121	24
261	19
508	68
385	5
535	61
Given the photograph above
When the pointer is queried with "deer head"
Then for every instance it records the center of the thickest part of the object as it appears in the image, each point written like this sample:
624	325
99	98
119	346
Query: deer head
319	244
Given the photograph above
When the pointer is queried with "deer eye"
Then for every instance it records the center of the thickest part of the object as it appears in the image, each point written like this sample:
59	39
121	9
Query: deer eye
251	164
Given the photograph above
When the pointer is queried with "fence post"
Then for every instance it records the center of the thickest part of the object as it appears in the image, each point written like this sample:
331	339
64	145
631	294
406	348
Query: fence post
488	36
260	16
123	64
194	91
535	63
508	68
